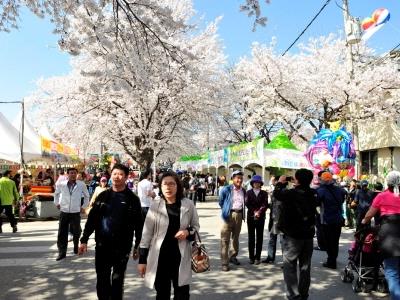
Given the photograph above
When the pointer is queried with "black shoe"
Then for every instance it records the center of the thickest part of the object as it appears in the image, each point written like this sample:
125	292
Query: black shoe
75	249
61	256
15	229
234	261
1	230
268	260
251	261
330	266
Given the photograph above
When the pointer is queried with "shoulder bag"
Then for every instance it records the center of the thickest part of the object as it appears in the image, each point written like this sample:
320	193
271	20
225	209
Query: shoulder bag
200	259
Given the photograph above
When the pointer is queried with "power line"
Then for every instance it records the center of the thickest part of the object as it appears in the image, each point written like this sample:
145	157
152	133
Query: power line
305	29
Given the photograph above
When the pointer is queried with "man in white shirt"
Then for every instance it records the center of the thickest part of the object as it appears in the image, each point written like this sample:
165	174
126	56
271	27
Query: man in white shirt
67	198
145	192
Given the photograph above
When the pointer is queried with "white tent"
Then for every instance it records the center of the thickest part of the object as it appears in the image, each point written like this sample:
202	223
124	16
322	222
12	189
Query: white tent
10	146
29	132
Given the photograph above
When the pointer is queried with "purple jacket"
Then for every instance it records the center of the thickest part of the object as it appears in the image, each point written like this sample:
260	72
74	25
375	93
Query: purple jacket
256	203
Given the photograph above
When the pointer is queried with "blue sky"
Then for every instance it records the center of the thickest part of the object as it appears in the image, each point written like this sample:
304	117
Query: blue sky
31	52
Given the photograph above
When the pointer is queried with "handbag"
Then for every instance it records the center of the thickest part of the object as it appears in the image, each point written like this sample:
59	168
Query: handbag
200	259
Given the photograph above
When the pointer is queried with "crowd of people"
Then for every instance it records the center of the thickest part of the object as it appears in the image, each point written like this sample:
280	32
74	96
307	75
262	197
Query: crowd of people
160	219
301	207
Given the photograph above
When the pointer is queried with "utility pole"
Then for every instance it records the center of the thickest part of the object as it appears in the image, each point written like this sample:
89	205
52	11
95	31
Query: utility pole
352	37
347	26
21	190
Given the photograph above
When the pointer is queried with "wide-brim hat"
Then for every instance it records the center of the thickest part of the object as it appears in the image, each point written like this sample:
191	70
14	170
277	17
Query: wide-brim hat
256	178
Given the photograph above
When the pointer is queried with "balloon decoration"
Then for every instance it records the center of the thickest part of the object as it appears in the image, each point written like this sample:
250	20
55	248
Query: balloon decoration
332	149
372	24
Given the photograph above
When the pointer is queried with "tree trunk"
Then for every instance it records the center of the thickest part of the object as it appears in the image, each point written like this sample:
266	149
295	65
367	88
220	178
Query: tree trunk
145	158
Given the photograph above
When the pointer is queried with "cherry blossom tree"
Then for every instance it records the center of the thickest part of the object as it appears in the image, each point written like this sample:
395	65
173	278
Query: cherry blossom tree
140	104
304	91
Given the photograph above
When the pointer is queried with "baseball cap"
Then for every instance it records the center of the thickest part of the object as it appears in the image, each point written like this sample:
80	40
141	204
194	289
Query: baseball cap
237	173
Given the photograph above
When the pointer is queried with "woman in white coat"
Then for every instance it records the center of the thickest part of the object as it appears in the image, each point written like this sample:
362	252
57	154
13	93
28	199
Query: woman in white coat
165	250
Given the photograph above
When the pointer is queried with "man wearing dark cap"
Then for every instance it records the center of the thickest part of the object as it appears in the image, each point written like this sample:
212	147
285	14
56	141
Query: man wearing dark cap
8	197
232	203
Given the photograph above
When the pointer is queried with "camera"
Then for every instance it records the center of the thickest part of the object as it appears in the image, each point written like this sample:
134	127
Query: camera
289	178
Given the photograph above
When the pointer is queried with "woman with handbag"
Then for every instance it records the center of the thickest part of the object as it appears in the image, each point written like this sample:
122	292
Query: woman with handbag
165	247
387	203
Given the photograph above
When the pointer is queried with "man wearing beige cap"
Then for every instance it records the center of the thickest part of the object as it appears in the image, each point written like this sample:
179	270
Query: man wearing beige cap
232	203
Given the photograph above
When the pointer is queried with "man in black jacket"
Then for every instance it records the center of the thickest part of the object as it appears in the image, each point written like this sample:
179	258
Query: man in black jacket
115	217
297	221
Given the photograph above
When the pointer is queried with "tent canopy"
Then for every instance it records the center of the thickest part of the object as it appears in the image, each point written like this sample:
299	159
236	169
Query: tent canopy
281	141
10	148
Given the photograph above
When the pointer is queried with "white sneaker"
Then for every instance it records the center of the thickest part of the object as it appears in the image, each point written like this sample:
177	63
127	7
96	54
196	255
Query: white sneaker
70	237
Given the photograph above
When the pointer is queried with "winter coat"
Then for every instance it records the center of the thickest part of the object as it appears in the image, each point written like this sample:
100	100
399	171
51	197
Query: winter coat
154	231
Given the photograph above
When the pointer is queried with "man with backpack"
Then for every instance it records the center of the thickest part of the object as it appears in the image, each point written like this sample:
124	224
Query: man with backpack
297	223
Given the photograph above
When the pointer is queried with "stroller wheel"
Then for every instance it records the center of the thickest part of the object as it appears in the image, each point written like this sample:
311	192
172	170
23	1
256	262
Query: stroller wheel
357	285
382	286
364	287
350	276
346	276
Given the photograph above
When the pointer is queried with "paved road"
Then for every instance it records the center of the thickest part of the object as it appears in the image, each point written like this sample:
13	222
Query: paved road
28	269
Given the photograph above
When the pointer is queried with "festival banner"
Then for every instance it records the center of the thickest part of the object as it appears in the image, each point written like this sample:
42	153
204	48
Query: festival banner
285	158
252	151
45	145
218	158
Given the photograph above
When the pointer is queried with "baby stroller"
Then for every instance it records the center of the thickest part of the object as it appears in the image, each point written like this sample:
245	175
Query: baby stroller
364	268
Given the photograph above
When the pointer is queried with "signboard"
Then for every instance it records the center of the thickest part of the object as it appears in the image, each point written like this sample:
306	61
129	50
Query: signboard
285	158
252	151
218	158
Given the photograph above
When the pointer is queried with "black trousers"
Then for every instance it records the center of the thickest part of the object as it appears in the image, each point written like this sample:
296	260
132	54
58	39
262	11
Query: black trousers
169	260
110	270
255	230
67	220
8	210
201	194
332	235
163	285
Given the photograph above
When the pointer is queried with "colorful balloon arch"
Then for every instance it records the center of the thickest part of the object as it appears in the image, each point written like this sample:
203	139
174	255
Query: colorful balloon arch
332	149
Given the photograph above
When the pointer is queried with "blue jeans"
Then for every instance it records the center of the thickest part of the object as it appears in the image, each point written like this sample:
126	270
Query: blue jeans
392	274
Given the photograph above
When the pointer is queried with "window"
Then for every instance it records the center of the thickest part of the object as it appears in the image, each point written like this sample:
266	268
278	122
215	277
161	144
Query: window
369	162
